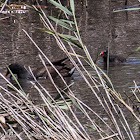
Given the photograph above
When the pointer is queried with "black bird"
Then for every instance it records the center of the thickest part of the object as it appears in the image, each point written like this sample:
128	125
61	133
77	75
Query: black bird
64	66
116	59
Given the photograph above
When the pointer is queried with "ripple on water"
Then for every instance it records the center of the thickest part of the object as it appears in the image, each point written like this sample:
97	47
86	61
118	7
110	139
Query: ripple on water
132	60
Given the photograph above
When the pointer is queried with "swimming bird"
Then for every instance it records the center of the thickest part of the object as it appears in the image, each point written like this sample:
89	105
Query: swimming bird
115	59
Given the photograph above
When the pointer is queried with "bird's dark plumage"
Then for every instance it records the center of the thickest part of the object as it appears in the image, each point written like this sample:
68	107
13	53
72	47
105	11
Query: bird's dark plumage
64	66
116	59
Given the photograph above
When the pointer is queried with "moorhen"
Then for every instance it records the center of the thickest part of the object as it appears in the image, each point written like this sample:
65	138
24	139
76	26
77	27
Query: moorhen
63	66
116	59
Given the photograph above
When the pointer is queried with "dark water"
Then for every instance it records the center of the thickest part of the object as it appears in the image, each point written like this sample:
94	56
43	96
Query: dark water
99	28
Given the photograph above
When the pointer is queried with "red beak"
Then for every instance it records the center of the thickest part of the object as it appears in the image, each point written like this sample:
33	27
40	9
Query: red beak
6	74
101	53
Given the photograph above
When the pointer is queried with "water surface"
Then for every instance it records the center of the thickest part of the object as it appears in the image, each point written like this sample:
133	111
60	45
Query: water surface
99	28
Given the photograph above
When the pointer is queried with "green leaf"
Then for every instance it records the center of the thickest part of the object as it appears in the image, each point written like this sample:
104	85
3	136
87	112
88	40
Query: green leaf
73	43
64	9
21	89
61	23
75	103
63	91
16	80
62	104
137	49
129	9
91	127
68	36
47	31
72	6
67	21
133	52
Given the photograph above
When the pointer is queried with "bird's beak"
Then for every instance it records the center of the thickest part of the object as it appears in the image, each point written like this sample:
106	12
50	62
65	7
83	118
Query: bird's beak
101	53
6	74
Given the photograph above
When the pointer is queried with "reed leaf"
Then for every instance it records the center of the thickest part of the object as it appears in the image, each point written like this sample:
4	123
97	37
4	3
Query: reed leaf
67	21
47	31
61	23
133	52
129	9
63	92
73	43
75	103
64	9
62	104
16	81
68	38
72	6
137	49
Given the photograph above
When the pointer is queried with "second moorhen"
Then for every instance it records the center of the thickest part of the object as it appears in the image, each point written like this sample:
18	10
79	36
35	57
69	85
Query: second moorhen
63	66
116	59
